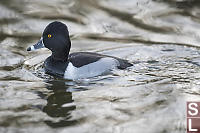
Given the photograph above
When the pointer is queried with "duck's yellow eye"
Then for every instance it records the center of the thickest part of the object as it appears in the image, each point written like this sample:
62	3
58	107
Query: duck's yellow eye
49	36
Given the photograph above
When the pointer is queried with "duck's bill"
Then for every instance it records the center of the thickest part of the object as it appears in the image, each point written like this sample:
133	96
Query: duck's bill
38	45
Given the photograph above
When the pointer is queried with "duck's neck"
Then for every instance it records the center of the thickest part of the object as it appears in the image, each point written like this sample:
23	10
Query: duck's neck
60	56
63	53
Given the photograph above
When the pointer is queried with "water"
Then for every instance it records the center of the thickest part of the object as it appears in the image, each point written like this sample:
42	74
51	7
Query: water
161	38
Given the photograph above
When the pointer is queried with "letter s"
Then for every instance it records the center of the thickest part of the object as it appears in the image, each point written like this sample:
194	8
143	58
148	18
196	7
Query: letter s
193	108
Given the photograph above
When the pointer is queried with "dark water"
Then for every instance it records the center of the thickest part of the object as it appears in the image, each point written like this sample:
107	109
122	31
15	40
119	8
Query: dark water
161	37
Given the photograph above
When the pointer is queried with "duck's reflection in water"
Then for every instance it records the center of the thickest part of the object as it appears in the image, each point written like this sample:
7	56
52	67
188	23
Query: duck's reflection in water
59	105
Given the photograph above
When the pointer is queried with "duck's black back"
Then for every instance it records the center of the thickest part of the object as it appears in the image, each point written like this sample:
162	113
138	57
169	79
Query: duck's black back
80	59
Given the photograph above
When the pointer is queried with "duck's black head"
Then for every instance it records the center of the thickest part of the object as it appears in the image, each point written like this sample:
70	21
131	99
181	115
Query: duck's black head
56	38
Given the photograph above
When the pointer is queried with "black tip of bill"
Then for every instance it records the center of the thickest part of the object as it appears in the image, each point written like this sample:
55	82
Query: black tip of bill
28	49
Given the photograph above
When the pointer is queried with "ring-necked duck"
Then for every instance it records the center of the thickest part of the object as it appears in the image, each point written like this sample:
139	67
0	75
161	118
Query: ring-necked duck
76	65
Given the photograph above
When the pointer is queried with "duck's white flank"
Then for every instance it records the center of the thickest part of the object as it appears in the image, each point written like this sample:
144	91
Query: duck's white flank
93	69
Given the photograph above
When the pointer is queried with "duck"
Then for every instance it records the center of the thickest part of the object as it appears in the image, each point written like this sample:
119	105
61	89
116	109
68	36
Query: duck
76	65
